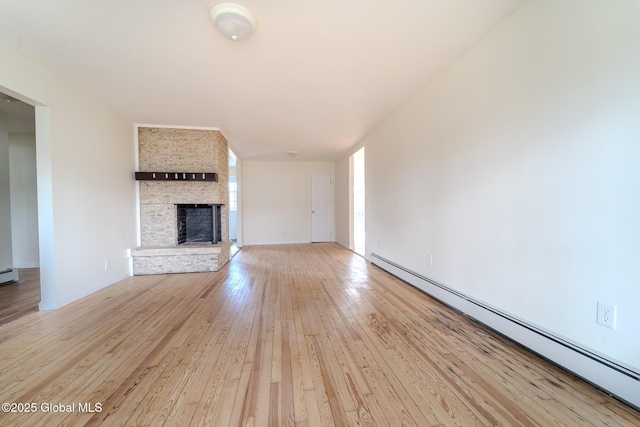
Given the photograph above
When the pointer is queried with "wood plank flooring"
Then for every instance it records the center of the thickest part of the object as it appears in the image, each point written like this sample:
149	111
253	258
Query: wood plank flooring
20	298
292	335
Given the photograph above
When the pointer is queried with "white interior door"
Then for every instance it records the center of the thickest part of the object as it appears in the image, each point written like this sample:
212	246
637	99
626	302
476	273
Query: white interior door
321	207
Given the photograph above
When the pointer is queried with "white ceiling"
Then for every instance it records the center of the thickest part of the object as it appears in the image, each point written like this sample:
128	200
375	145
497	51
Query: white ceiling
315	77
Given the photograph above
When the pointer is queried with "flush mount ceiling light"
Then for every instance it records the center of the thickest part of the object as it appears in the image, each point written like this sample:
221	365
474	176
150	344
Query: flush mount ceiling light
233	21
292	153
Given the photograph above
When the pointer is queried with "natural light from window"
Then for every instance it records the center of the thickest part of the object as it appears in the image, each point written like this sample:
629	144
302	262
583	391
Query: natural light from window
358	202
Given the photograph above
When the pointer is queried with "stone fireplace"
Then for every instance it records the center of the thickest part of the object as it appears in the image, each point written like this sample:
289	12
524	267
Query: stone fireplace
184	224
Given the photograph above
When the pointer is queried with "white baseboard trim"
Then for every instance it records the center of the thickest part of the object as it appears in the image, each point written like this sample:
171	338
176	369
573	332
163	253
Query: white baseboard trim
47	305
617	380
34	264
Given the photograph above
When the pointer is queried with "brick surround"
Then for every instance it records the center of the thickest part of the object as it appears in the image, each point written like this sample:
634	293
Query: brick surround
179	150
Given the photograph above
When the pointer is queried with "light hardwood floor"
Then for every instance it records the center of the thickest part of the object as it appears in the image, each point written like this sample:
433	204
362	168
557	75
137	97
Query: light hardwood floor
20	298
304	335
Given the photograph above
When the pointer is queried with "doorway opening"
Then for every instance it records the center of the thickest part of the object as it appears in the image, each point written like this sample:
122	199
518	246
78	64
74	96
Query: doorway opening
321	207
19	238
358	202
233	204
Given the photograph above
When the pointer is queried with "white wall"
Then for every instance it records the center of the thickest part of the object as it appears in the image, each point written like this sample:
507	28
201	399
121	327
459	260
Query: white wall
24	200
86	191
517	170
276	201
6	254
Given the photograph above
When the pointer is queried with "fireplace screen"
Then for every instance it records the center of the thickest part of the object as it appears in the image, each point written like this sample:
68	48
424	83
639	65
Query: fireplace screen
199	224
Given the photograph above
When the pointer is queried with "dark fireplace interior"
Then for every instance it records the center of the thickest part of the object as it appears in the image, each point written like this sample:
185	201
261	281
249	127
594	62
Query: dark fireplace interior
199	224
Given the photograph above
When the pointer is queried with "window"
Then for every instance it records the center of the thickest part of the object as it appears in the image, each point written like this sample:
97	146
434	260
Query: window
233	194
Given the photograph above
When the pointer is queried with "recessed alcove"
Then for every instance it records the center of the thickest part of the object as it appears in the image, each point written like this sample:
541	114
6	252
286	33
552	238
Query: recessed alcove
184	223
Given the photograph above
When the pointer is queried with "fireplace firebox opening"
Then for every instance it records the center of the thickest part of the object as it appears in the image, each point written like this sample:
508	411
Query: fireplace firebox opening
199	224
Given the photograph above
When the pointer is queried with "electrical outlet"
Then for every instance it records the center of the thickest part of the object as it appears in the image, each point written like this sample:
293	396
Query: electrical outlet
606	315
107	265
430	260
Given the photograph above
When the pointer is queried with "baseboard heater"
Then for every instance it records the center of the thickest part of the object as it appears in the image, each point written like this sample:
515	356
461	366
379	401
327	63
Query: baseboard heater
8	275
617	380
